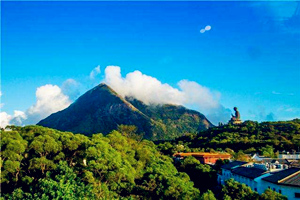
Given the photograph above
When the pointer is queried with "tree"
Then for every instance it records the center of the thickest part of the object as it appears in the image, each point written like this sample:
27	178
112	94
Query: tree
272	195
235	190
209	195
130	131
268	151
203	176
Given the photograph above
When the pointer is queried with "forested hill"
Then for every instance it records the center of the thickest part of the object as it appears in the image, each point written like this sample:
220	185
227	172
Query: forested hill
43	163
249	136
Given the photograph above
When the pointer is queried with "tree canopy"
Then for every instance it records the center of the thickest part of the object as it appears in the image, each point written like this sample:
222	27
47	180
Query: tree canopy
43	163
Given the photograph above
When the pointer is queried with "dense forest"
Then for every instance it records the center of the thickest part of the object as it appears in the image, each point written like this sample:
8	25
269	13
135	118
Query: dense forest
266	138
43	163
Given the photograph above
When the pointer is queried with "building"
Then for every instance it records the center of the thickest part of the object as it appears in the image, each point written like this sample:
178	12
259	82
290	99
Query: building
290	156
259	177
251	176
273	164
204	158
286	182
226	170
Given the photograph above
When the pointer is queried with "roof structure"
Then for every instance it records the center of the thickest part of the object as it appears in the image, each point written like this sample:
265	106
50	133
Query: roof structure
285	177
249	172
201	154
278	160
233	164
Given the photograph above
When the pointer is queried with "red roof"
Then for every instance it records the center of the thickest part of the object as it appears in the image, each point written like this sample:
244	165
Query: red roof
200	154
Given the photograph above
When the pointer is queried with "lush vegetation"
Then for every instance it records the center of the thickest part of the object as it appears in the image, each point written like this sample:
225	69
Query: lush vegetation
43	163
249	137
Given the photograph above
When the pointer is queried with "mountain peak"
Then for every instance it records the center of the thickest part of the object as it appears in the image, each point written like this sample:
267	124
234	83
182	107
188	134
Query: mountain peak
103	85
101	110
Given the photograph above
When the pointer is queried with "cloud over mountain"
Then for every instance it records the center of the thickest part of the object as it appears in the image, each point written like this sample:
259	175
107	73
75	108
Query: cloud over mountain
49	99
152	91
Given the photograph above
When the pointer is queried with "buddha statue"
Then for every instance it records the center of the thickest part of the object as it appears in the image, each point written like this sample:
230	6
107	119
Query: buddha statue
235	119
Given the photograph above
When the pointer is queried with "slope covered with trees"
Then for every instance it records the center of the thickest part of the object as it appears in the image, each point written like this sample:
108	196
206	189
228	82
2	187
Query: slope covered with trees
250	137
43	163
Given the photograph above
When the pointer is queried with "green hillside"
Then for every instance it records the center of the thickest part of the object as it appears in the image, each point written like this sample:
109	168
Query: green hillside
43	163
250	137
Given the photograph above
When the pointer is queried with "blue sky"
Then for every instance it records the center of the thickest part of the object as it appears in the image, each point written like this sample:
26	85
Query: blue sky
250	57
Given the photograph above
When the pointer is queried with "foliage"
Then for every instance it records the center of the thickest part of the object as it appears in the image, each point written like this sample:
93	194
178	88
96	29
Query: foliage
209	195
203	176
43	163
272	195
249	137
237	191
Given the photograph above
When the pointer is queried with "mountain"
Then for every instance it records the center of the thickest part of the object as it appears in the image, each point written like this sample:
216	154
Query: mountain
101	110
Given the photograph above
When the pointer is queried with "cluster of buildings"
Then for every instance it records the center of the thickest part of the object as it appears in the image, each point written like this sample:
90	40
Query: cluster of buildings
281	175
282	179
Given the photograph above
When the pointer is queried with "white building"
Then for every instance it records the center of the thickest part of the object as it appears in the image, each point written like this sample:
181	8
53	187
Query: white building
250	176
286	182
227	168
292	156
259	178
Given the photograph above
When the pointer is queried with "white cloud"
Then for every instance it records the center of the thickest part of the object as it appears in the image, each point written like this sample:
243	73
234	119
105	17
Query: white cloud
207	28
145	88
95	72
4	119
71	88
197	94
0	93
276	93
151	91
18	117
50	99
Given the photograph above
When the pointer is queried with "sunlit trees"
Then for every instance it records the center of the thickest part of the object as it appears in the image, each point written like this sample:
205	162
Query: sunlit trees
43	163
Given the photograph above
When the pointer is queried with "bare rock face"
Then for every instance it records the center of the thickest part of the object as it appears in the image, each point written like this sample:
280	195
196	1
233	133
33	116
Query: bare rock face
101	110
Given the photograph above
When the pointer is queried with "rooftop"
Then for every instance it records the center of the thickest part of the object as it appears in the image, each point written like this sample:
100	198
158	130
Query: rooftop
233	164
249	172
201	154
285	177
275	160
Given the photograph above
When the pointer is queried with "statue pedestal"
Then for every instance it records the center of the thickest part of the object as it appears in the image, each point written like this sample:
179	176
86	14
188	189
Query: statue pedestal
235	121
